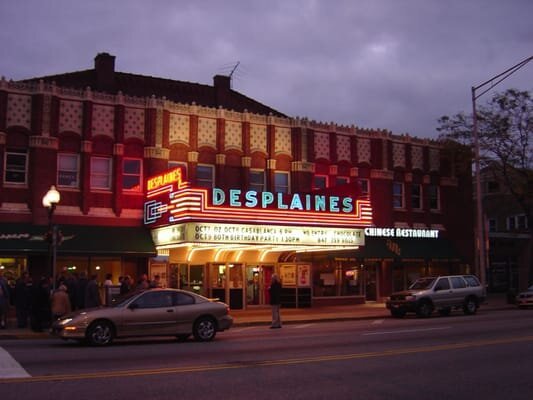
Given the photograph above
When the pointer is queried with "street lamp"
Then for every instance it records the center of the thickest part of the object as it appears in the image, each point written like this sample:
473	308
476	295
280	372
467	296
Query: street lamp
50	201
481	253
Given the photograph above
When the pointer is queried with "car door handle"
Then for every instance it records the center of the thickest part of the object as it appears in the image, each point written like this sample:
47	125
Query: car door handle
171	310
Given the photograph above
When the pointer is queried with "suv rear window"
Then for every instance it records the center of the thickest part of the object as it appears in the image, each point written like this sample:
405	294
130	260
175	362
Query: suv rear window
471	280
458	282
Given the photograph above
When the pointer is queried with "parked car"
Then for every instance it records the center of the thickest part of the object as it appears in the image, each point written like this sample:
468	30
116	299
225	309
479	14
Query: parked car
442	293
525	299
155	312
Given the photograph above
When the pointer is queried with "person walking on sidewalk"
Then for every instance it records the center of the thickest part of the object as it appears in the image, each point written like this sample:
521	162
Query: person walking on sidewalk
275	301
4	301
60	302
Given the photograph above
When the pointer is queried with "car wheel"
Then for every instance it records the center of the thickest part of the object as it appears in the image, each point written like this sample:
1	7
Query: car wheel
182	337
424	309
204	329
470	306
445	311
100	333
397	313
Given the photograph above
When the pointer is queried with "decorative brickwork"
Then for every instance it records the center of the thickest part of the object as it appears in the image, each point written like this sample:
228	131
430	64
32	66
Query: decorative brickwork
398	155
179	129
434	159
258	138
283	141
417	157
321	145
233	135
19	110
103	120
70	116
134	123
343	148
363	150
207	132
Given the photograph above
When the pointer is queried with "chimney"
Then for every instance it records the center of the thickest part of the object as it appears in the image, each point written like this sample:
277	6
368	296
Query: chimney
222	86
104	65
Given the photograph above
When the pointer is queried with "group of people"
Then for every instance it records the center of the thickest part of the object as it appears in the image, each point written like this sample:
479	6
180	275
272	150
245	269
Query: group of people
38	303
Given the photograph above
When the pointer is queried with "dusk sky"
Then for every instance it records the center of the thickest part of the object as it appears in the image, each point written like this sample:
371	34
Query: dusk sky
385	64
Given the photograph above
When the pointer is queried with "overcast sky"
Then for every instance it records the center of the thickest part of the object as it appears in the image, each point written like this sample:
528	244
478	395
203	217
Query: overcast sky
386	64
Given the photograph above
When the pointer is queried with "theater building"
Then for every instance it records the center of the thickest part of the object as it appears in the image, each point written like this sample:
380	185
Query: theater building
215	192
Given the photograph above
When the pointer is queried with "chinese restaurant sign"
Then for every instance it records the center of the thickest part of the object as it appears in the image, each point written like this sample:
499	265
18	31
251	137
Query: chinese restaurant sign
171	200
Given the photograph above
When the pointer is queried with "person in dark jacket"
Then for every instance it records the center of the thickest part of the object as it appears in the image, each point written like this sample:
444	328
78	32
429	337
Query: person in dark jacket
275	301
40	307
92	293
23	290
81	288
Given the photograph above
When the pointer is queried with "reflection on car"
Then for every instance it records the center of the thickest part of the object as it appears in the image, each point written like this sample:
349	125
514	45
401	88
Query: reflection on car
154	312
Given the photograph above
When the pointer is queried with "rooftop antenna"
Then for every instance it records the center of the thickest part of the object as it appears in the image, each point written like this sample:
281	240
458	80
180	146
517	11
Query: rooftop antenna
231	73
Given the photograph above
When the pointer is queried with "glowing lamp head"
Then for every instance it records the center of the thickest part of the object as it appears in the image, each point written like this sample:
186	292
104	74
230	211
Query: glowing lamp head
51	198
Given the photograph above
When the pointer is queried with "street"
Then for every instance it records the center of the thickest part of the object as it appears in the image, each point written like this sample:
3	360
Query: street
458	357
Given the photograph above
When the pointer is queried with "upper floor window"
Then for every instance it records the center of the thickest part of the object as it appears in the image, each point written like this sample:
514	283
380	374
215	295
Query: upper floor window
493	225
433	197
320	182
397	195
68	170
341	180
101	173
205	176
132	174
493	187
257	180
16	167
517	222
281	182
364	187
416	196
183	165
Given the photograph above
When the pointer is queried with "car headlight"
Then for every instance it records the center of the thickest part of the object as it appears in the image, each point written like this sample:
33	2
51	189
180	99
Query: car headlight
411	297
65	321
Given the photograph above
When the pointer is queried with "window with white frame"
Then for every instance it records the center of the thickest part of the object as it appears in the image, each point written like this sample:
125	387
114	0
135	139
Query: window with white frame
281	182
132	174
397	195
434	197
257	180
205	176
416	196
16	167
517	222
101	173
68	170
493	225
320	182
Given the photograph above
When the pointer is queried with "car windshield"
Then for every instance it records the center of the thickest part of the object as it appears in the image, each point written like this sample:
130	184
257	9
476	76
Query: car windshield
422	283
120	301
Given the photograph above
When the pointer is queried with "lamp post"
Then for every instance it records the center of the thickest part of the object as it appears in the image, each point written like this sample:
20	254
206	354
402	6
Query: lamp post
50	201
481	253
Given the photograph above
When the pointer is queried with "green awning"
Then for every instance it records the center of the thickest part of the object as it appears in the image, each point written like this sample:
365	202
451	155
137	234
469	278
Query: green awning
77	239
408	248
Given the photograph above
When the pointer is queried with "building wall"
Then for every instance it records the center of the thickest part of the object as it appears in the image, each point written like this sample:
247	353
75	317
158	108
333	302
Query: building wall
48	120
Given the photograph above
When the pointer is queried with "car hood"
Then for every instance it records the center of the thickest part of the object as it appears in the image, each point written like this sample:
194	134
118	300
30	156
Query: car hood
85	311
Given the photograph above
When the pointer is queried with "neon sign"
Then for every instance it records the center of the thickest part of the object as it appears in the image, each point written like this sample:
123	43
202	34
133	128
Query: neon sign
402	233
170	200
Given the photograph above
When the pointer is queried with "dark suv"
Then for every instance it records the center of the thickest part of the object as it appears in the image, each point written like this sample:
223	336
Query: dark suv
441	293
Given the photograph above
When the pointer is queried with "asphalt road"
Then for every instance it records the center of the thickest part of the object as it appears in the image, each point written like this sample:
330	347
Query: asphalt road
486	356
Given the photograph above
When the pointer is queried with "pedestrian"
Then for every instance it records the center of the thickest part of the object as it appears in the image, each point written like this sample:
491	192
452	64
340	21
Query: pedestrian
4	301
23	289
108	280
40	307
275	301
81	288
60	302
125	286
71	283
92	293
156	282
143	283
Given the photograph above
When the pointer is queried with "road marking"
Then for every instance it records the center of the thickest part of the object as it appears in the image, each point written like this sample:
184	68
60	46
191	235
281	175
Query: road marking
303	326
406	331
269	363
9	367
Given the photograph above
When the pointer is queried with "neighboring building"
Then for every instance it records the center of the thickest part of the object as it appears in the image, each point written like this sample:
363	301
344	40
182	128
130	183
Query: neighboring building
343	214
509	235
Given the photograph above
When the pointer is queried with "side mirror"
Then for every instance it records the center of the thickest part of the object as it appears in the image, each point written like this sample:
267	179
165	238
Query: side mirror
133	306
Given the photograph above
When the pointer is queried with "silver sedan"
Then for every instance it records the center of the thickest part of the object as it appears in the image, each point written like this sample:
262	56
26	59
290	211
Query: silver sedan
155	312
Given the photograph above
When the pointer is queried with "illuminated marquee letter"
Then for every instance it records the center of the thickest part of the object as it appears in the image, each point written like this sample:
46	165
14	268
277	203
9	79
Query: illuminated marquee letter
218	197
251	199
347	205
234	195
266	199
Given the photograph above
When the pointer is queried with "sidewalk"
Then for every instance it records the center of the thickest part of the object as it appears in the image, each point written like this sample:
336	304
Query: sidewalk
262	316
